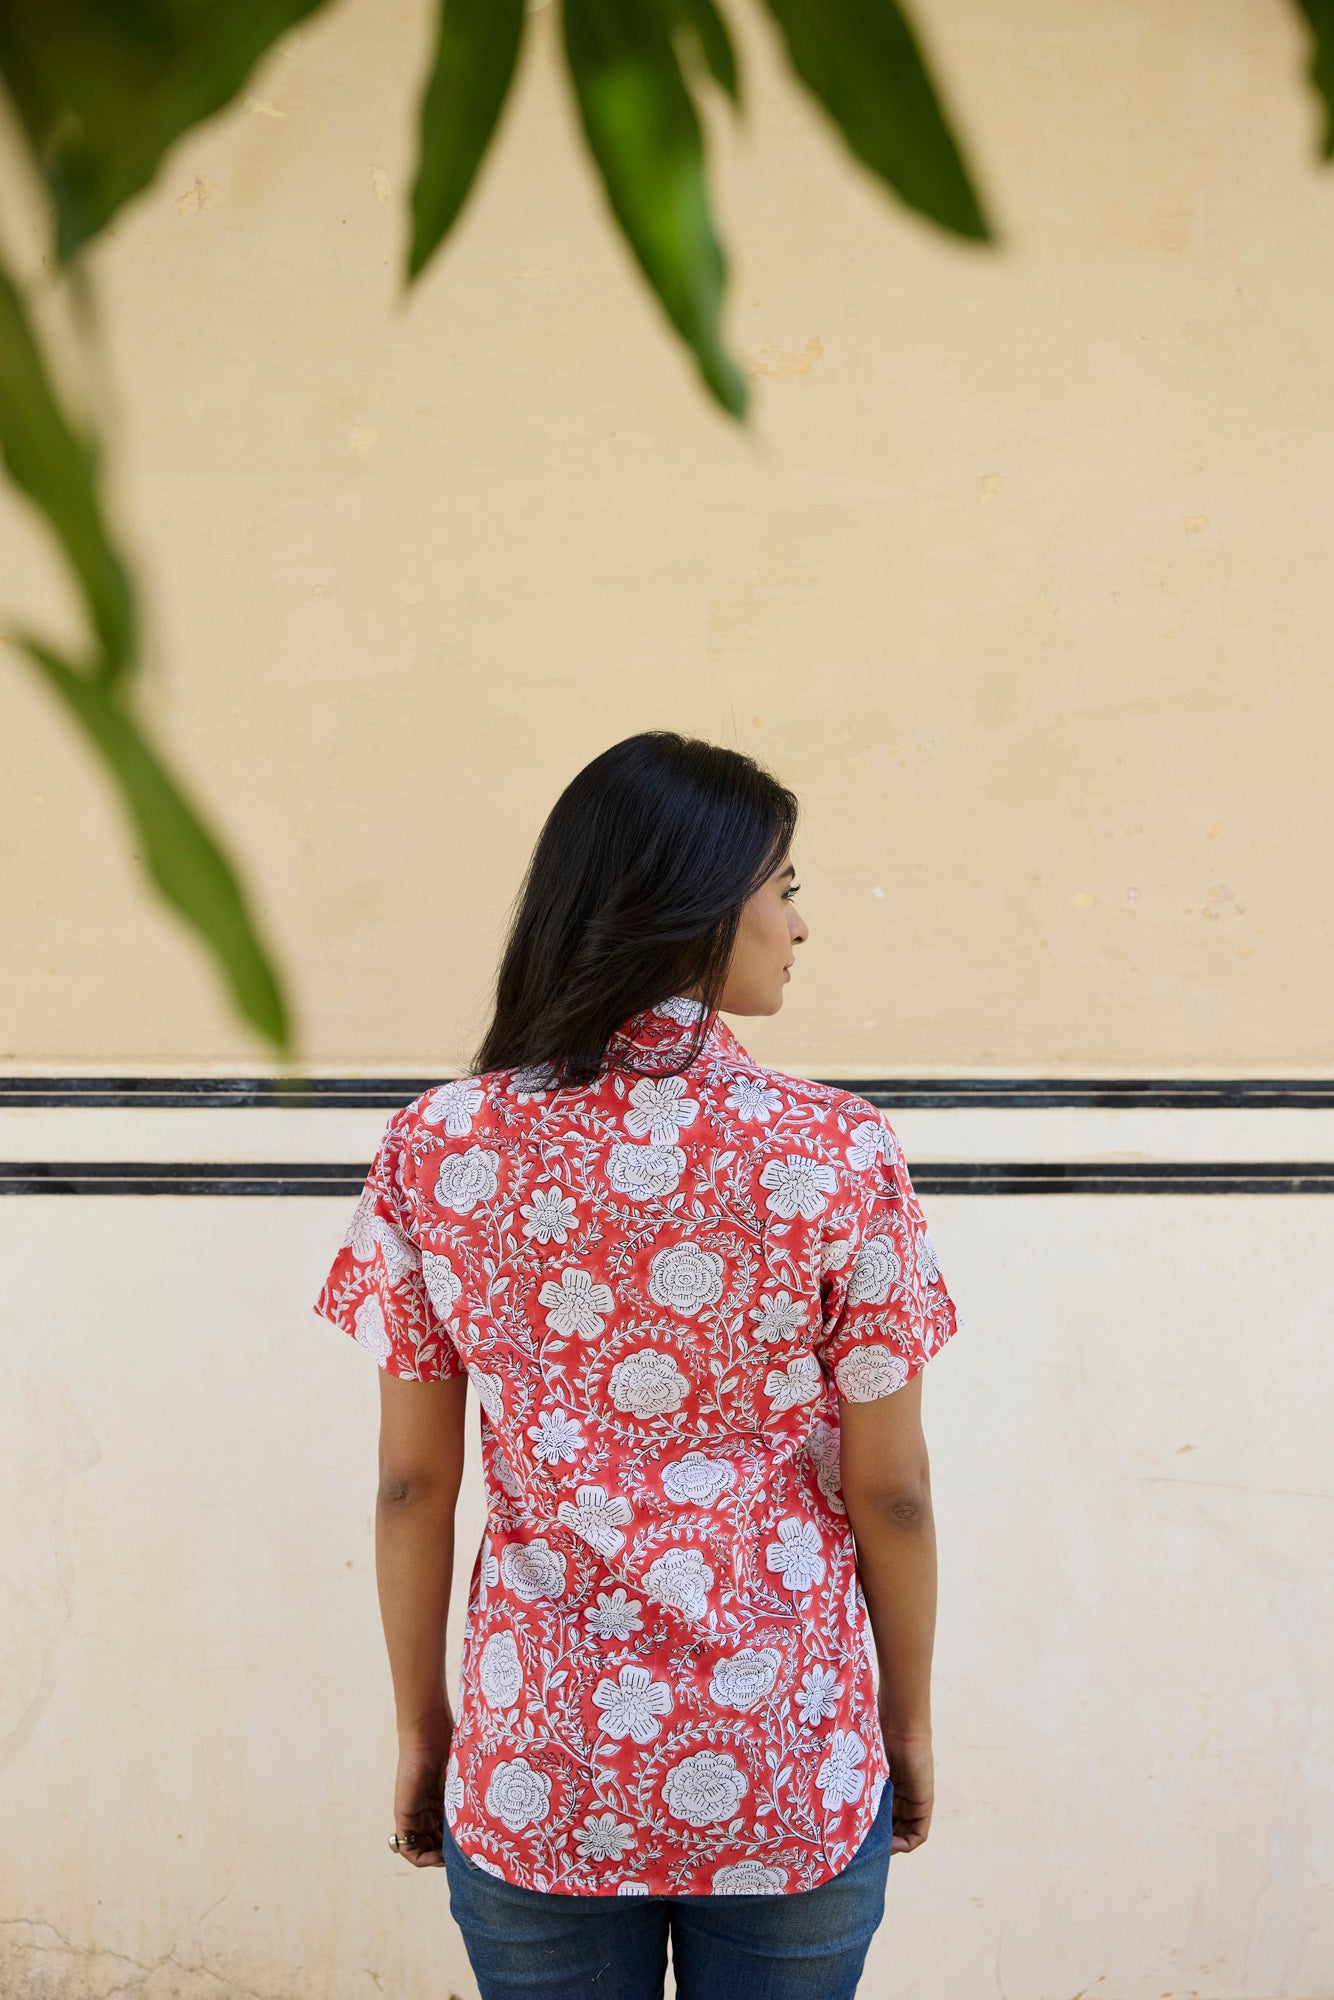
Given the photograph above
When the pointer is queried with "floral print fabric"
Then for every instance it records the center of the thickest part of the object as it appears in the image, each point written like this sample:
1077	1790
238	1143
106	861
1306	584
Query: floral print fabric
660	1286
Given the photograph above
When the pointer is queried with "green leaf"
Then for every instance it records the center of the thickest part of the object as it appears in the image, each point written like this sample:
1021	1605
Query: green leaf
57	469
1320	19
701	19
644	136
476	49
104	89
859	58
180	854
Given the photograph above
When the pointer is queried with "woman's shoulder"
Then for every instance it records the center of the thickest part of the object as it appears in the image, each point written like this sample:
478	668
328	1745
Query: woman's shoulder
832	1107
463	1107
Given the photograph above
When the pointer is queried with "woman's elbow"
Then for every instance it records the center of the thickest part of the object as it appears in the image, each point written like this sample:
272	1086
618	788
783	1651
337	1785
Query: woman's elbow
896	1504
405	1483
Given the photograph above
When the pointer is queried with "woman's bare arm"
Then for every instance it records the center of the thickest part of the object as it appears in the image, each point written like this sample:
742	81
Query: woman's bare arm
421	1466
886	1478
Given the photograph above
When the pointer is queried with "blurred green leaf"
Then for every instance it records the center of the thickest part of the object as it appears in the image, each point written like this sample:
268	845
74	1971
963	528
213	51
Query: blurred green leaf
179	852
104	89
859	58
644	136
57	469
476	49
703	21
1320	19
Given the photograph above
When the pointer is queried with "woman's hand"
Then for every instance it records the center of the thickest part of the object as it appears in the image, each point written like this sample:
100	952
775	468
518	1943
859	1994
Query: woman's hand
419	1799
912	1770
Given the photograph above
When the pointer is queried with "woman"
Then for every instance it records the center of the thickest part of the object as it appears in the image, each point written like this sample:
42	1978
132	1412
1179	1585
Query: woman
694	1297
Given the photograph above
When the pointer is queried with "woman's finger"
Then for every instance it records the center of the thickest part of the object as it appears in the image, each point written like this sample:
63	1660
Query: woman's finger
421	1844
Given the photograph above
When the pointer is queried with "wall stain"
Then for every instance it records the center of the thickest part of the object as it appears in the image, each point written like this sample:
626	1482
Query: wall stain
202	194
773	360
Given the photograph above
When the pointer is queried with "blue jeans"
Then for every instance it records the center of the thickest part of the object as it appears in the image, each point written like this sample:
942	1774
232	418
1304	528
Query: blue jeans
526	1945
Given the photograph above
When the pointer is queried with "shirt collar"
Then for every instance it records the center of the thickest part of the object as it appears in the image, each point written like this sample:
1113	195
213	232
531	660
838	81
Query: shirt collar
661	1035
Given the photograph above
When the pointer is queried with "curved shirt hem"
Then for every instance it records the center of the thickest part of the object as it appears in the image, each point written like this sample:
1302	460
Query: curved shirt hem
627	1886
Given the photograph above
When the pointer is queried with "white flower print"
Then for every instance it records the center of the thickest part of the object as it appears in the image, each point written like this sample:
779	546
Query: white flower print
631	1704
644	1171
680	1007
401	1255
454	1105
778	1316
871	1140
745	1678
825	1447
834	1255
500	1675
632	1889
877	1792
817	1697
799	1382
490	1393
370	1330
490	1574
361	1233
705	1788
867	1373
603	1837
597	1519
838	1777
550	1215
799	1186
852	1600
443	1285
506	1477
518	1796
359	1237
557	1437
682	1578
697	1481
465	1179
798	1554
533	1569
659	1108
487	1867
874	1269
686	1278
749	1878
453	1795
614	1616
647	1383
752	1101
926	1257
577	1304
368	1230
532	1081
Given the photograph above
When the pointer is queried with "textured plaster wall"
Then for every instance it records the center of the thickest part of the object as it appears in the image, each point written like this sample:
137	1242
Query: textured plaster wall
1020	576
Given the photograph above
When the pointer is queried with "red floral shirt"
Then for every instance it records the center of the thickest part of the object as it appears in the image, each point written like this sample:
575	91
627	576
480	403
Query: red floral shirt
659	1286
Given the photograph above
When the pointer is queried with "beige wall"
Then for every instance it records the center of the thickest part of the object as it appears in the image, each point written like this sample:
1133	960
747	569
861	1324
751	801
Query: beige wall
1021	581
1020	578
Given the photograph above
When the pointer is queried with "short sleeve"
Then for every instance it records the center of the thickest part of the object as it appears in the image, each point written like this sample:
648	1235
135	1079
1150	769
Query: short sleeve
886	1307
375	1289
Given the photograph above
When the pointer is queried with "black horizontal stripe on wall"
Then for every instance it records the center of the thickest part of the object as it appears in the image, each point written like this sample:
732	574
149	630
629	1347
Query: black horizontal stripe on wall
86	1177
304	1177
378	1093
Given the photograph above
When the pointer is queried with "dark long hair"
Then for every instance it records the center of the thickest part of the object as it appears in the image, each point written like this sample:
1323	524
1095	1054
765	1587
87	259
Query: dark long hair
633	893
